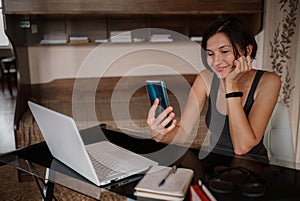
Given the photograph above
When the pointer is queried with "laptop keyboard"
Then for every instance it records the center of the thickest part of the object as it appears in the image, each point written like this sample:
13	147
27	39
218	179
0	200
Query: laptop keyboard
105	165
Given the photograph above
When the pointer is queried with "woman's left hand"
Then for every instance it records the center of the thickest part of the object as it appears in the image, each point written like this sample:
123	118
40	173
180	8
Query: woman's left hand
241	66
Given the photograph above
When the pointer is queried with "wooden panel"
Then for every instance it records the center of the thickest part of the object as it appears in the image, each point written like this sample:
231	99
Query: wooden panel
94	27
134	6
54	25
199	23
176	23
126	22
23	95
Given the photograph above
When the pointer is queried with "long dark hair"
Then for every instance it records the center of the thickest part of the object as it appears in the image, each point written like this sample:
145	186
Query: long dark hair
238	33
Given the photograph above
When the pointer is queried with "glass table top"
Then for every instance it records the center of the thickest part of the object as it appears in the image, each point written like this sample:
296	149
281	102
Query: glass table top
37	160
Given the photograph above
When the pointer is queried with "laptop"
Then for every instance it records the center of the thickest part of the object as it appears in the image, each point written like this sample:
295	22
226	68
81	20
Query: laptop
101	163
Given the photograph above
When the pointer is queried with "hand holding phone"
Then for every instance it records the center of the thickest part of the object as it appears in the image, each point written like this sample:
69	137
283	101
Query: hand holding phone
157	89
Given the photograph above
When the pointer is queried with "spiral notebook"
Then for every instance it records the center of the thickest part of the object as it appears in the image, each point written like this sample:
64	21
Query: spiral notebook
174	188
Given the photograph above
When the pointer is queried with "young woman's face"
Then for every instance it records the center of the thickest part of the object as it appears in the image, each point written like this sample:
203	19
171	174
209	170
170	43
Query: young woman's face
220	55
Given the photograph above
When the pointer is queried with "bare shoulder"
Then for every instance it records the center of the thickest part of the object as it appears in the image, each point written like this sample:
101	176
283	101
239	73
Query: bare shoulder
269	84
271	78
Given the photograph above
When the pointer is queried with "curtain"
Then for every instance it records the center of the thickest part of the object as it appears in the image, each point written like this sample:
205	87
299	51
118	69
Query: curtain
281	53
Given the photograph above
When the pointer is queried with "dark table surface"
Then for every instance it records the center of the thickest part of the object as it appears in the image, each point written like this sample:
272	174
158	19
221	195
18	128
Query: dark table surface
280	183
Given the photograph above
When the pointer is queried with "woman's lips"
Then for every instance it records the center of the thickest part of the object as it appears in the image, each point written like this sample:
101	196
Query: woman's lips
220	69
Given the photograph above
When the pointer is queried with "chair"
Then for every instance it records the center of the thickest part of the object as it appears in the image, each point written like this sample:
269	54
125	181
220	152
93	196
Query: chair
278	135
9	73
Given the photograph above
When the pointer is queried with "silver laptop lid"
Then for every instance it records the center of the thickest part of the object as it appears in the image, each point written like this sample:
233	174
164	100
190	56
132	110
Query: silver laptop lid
64	141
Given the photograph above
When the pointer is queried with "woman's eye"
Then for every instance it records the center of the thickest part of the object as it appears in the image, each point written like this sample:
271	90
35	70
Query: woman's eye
225	51
210	54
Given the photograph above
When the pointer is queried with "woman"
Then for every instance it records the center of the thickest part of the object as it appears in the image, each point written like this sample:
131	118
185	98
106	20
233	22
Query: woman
246	100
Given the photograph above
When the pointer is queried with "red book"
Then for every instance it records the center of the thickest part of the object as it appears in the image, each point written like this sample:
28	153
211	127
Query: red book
197	194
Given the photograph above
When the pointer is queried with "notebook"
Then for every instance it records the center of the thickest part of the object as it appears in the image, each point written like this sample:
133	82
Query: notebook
174	188
101	163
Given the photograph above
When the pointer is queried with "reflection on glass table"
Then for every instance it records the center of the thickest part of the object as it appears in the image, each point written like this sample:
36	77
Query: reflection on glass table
215	169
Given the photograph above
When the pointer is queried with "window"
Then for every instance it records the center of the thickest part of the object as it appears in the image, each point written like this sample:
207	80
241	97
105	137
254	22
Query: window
3	38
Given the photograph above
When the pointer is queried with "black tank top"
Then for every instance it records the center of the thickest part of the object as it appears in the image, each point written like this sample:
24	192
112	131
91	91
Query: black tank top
218	123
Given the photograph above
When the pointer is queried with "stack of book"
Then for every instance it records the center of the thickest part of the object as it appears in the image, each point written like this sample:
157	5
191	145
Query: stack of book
199	192
161	38
55	38
120	36
196	38
78	40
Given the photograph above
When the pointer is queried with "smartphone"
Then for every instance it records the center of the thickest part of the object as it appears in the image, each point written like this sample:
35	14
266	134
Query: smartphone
157	89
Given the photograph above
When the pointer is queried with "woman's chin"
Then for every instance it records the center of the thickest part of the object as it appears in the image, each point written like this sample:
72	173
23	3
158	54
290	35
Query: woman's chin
222	75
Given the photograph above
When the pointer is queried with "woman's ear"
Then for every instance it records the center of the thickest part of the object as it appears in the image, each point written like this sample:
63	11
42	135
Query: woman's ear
249	49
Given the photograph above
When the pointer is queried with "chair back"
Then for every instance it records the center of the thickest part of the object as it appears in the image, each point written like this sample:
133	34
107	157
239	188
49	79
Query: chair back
278	135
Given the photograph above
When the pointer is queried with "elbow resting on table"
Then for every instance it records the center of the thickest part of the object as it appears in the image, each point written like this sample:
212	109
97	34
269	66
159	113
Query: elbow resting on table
244	147
241	150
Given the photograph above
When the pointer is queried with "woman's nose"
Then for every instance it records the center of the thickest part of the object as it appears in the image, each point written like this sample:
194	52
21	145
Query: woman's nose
217	59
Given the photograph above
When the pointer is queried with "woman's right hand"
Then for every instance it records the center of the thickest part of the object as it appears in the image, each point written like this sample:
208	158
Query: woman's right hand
157	125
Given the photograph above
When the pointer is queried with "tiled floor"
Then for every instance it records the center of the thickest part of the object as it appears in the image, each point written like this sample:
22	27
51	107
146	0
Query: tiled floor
7	107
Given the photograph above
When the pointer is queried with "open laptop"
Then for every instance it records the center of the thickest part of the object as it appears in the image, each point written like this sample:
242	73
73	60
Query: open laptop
101	163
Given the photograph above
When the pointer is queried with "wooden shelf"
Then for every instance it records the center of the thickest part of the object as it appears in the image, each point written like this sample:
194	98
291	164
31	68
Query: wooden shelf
97	18
133	7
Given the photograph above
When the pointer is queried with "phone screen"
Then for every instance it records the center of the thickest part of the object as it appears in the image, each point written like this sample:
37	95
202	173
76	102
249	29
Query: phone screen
157	89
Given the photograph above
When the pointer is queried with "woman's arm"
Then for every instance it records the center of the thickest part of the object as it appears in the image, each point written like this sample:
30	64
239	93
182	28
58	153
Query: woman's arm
247	132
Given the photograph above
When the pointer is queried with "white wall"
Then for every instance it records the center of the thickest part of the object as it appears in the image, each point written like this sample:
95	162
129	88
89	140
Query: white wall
48	62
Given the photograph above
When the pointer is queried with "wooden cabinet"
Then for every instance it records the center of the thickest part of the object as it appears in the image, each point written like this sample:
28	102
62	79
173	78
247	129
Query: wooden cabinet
28	22
96	19
133	6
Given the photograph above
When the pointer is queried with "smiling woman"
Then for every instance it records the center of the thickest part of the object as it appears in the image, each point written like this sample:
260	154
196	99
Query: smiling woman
230	47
